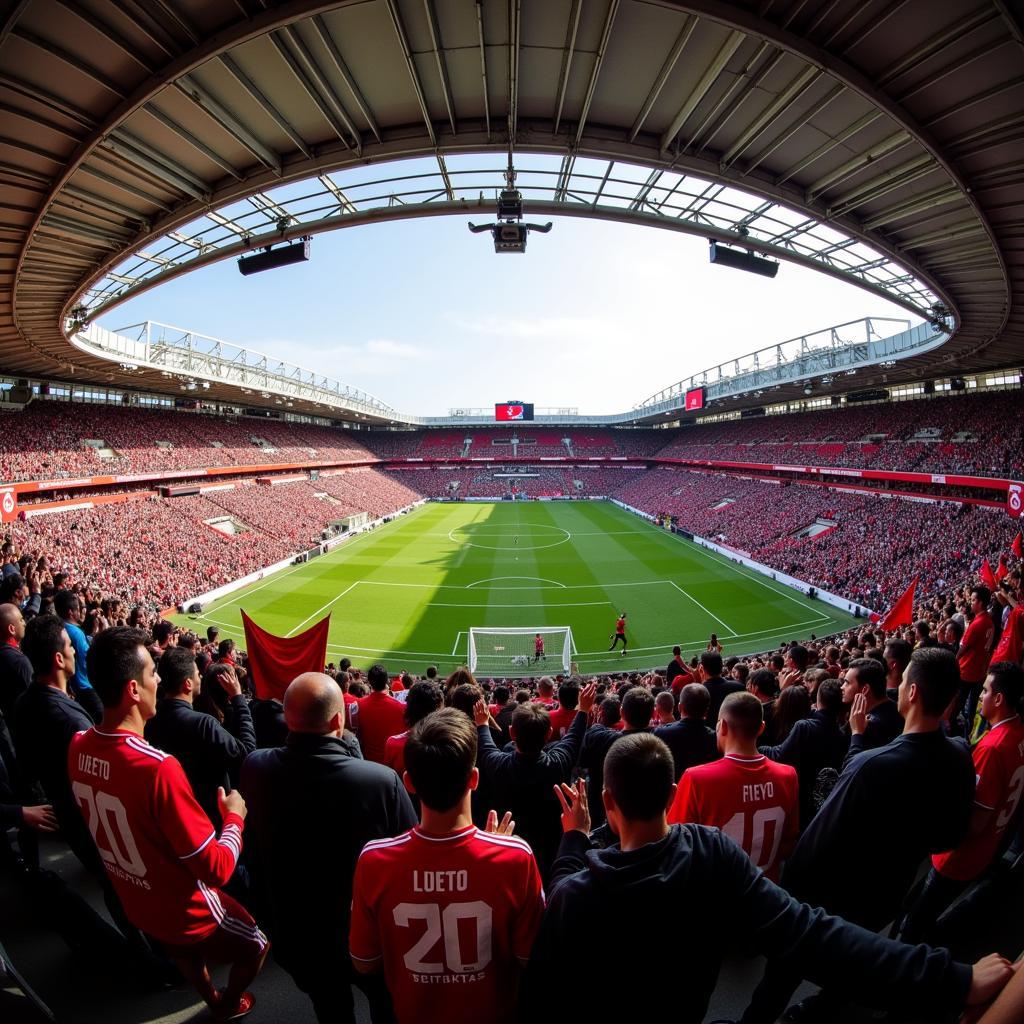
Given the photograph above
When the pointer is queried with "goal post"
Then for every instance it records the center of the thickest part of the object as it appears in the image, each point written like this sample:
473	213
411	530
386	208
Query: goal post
514	651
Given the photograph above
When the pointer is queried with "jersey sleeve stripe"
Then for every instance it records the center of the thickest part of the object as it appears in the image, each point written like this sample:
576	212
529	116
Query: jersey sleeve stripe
365	959
202	846
512	842
380	844
144	748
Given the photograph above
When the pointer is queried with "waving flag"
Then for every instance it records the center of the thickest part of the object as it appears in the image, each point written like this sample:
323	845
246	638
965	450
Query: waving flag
987	575
902	612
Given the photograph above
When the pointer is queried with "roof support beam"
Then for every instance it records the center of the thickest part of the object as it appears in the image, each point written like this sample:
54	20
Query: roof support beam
449	191
875	188
119	183
186	136
346	75
72	62
513	72
700	90
609	21
218	113
129	49
11	19
567	52
310	76
442	65
48	100
883	148
344	203
257	94
155	162
483	65
666	69
410	63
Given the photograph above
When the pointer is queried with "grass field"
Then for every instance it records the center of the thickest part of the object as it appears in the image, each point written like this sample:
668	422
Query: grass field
407	593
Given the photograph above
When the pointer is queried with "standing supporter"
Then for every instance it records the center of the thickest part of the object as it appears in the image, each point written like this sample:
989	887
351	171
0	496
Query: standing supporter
865	678
425	697
765	687
998	767
660	873
502	712
69	607
268	722
545	693
797	659
1011	643
210	754
891	807
814	743
974	654
710	674
896	654
689	739
15	668
163	856
664	709
311	802
562	717
380	715
520	780
677	675
448	912
751	799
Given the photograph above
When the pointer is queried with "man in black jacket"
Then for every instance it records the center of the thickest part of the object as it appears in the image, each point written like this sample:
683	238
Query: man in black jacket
210	753
710	674
660	874
892	806
813	743
520	780
866	678
689	739
15	668
312	807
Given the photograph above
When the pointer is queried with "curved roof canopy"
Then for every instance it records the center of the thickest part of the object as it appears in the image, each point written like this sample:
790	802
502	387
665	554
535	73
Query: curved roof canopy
881	138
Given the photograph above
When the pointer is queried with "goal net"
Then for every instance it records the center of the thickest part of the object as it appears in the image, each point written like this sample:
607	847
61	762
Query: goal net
512	652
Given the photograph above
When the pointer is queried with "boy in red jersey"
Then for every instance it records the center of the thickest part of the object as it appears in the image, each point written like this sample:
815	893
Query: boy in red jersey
999	769
163	856
620	634
448	911
538	648
753	800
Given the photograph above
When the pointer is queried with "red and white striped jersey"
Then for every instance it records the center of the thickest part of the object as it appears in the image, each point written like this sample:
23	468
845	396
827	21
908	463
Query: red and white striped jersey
452	917
160	850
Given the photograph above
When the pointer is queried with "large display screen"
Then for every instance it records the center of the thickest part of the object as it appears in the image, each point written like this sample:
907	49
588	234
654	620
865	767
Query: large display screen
506	412
694	399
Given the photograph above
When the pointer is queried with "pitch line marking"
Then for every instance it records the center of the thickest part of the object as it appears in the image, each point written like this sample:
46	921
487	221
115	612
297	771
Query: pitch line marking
458	637
496	579
702	608
323	608
576	604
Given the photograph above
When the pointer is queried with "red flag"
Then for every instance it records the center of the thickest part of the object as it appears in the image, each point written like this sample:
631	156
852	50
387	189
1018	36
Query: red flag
1017	547
902	612
1001	569
987	576
275	661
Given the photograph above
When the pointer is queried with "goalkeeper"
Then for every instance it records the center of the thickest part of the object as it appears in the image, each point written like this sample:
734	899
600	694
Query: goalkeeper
538	649
620	634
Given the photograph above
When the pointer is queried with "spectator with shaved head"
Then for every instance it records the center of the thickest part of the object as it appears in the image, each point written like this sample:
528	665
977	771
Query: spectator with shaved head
690	739
311	803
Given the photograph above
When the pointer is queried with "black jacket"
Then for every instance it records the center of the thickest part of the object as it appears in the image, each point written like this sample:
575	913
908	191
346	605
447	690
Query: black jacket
596	744
268	723
15	678
312	808
720	689
699	875
885	723
891	808
524	785
691	743
210	753
813	743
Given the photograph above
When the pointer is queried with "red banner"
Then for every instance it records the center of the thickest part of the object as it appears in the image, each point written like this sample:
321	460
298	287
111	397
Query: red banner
8	505
1015	500
902	612
275	661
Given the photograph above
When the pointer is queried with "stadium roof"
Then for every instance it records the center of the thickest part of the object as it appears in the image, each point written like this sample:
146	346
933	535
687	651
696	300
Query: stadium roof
882	138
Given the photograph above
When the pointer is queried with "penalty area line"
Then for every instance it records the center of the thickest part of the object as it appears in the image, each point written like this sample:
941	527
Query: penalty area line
295	629
706	611
458	638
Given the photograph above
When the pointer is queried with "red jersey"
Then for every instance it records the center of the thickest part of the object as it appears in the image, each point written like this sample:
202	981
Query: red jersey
394	752
561	719
1011	643
450	916
380	716
754	801
538	644
973	656
161	852
999	769
620	626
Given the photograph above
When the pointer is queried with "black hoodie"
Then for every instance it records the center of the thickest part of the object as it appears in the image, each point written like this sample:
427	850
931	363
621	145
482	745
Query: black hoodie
699	886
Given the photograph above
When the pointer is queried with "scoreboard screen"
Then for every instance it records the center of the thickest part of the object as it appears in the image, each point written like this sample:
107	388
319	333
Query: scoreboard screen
506	412
694	399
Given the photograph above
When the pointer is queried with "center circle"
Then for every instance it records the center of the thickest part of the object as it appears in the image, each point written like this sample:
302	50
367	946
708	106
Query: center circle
508	538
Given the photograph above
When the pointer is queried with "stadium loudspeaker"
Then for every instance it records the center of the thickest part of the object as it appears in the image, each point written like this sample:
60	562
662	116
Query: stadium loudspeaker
957	384
196	608
929	387
270	259
739	260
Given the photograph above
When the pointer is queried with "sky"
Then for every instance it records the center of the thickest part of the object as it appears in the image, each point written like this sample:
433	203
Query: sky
425	316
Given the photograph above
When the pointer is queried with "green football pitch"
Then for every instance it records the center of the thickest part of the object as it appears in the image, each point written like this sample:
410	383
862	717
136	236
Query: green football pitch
408	592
